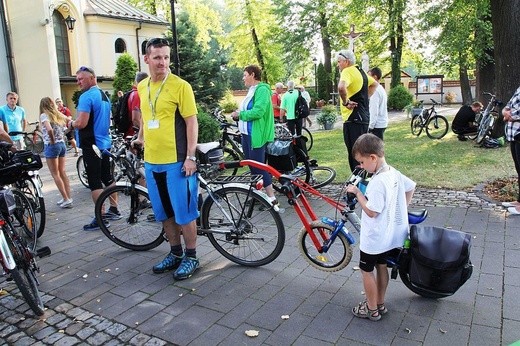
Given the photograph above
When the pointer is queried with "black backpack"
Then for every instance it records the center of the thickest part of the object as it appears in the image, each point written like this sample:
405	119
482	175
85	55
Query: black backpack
301	109
121	114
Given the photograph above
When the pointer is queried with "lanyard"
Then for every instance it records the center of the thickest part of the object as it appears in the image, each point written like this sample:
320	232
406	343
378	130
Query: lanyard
154	104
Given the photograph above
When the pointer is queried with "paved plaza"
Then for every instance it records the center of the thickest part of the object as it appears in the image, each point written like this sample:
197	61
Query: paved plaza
97	293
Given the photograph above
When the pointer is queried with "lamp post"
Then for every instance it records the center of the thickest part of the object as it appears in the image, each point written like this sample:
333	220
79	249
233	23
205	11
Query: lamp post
315	61
69	22
175	47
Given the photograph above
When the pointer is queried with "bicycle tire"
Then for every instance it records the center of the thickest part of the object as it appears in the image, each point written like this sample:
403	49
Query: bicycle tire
338	255
321	176
437	127
231	155
310	140
132	231
254	236
483	129
28	187
82	173
24	216
38	143
416	125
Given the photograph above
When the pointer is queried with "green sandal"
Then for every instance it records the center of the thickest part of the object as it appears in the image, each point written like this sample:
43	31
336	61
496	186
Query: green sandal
362	311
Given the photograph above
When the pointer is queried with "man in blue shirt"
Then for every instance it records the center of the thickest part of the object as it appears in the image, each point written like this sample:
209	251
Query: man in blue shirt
93	124
13	118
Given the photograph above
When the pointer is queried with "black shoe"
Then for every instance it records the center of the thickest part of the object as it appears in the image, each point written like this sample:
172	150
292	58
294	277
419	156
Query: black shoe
462	138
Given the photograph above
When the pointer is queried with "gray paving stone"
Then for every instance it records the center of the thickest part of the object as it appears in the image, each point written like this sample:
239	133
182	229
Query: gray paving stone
41	334
115	329
98	338
139	340
85	333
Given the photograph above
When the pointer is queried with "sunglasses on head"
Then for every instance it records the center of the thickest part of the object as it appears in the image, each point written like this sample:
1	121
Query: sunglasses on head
157	42
86	69
343	56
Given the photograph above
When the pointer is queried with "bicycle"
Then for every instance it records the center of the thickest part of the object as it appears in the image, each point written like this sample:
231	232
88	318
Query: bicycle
327	243
282	132
33	140
231	139
435	125
16	256
239	221
487	118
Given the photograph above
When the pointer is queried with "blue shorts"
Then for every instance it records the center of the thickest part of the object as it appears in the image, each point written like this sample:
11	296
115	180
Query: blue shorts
53	151
172	193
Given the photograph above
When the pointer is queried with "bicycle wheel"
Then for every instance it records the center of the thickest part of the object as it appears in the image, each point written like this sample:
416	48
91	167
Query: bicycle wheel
37	141
483	129
82	173
437	127
337	257
243	226
321	176
310	140
23	221
32	192
416	125
136	229
231	155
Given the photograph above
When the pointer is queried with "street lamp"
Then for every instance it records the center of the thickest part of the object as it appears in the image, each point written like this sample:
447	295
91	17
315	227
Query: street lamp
175	47
315	61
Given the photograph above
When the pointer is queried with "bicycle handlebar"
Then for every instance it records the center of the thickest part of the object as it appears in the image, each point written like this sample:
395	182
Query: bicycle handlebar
14	133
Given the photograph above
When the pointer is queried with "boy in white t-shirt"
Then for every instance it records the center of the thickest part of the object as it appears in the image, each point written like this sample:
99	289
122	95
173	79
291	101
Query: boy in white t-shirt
384	221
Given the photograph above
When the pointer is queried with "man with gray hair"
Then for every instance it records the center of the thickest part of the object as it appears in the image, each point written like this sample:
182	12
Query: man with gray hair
354	89
288	109
276	100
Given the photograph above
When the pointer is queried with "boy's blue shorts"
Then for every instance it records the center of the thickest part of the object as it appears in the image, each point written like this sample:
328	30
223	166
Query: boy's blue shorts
171	192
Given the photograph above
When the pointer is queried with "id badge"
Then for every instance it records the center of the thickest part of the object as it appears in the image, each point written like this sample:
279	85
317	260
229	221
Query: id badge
153	124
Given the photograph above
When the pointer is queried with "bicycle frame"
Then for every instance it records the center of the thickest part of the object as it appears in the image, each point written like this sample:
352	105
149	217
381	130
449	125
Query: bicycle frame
8	262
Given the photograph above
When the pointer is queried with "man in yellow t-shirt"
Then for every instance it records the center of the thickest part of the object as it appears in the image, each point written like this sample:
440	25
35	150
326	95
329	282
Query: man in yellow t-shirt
169	131
354	88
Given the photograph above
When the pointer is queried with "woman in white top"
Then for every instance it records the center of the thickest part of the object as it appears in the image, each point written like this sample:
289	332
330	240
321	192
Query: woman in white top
53	123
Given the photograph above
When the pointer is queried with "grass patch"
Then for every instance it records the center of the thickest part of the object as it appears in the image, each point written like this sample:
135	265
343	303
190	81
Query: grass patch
445	163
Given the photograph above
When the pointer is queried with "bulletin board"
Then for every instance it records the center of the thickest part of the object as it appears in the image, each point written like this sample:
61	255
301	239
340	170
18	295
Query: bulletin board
429	84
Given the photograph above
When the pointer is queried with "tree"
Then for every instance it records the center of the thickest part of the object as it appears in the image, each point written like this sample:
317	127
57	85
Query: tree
126	68
506	37
323	79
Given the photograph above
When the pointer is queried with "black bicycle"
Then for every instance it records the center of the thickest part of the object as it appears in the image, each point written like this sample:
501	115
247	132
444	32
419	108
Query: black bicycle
487	118
435	125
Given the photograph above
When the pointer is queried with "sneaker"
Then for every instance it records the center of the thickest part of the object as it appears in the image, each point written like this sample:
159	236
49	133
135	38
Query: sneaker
170	262
112	215
144	204
150	217
93	226
66	204
60	201
186	268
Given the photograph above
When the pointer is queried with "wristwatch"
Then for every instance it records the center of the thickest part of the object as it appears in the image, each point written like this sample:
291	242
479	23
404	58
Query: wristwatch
345	104
192	158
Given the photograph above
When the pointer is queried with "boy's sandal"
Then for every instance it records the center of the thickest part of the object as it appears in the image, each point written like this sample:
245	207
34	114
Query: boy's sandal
381	308
362	311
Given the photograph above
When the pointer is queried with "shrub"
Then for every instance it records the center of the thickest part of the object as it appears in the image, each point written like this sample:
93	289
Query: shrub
209	128
228	104
399	97
126	67
328	114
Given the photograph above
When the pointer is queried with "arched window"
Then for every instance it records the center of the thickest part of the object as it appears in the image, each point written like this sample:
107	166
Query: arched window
62	44
120	46
143	47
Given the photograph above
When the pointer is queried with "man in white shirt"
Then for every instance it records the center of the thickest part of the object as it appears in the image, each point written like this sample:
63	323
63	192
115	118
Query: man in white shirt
378	107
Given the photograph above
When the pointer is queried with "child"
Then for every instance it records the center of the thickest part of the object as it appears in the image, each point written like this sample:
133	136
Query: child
384	221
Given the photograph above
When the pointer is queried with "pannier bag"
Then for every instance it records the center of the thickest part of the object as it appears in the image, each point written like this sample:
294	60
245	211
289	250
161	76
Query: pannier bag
280	155
439	258
29	160
7	203
211	156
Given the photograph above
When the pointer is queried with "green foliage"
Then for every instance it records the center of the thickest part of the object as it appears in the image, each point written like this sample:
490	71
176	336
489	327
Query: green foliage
209	128
228	104
126	67
199	67
399	97
323	79
328	114
75	97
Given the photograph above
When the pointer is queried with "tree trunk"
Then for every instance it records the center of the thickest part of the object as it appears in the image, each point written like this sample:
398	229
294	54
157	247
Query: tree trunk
256	42
505	16
465	88
485	76
396	9
327	53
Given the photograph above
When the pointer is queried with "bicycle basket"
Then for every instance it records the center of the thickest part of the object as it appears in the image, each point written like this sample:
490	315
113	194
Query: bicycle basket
7	202
29	161
280	155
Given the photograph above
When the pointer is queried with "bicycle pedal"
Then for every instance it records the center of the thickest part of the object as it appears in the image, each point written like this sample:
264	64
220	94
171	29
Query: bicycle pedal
43	252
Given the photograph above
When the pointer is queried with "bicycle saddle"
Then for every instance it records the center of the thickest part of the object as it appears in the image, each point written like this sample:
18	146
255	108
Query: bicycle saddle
205	147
